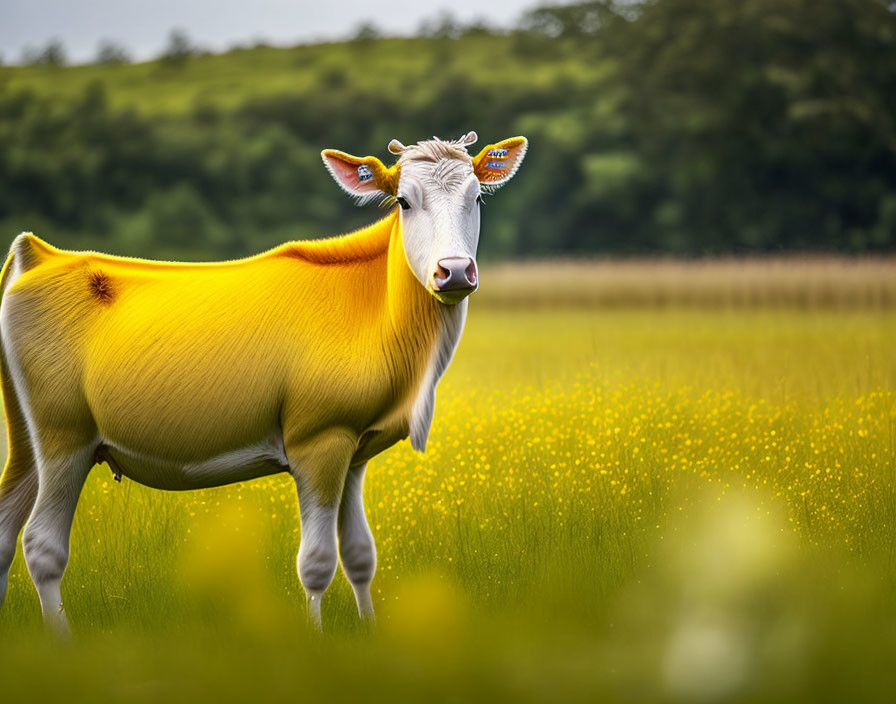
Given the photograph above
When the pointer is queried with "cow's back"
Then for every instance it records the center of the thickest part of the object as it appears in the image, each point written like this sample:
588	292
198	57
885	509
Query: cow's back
177	360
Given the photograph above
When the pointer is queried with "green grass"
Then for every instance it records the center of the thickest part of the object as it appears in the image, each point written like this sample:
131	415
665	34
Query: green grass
635	504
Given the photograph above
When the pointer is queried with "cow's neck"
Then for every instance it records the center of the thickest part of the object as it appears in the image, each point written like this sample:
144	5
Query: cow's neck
420	339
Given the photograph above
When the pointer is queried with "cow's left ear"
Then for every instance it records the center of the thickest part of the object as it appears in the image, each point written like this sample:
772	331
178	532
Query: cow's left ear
496	164
365	178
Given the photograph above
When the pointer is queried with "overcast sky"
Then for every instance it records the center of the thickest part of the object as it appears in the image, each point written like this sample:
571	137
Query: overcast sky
143	27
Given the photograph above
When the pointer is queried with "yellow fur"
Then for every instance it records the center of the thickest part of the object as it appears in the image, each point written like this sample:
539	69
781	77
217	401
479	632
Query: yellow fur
328	340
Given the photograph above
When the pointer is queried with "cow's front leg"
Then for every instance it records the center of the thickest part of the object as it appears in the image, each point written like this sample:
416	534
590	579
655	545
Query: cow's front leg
356	546
319	468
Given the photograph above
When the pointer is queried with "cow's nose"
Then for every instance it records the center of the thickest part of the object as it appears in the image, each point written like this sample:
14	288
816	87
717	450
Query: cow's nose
455	274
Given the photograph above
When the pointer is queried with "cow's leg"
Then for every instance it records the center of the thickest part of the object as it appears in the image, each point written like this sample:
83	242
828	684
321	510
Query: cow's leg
319	468
18	485
356	546
317	551
17	493
46	536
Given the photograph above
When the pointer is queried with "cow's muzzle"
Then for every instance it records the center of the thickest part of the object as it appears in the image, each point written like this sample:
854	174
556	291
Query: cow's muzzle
455	279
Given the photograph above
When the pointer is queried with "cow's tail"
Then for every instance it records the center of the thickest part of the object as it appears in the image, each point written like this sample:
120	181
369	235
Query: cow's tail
27	252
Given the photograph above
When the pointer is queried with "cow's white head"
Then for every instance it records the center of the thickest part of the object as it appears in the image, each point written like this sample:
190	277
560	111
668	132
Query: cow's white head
439	188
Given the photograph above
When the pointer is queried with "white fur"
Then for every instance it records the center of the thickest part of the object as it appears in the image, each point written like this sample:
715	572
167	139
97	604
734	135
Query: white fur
45	540
356	547
14	509
443	220
317	558
422	411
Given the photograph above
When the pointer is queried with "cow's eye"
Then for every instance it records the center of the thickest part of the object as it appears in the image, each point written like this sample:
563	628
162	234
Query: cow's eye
403	202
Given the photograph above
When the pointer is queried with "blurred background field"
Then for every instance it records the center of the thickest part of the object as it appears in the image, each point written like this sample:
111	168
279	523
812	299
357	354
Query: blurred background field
717	282
663	463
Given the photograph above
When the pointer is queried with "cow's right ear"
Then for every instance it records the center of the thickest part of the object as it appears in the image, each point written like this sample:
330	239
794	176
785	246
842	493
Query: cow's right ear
364	178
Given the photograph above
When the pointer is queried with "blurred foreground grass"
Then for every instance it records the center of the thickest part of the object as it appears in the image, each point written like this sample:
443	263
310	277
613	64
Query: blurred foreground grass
632	504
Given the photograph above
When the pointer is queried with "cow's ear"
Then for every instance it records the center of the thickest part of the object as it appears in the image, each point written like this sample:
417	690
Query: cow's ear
365	178
496	164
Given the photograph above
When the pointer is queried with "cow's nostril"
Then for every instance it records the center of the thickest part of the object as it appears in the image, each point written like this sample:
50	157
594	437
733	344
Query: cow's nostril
470	273
442	273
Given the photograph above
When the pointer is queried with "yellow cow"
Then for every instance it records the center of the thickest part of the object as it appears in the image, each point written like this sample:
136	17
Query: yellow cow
310	358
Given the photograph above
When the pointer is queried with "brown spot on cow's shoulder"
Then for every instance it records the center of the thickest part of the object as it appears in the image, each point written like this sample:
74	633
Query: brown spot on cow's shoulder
101	286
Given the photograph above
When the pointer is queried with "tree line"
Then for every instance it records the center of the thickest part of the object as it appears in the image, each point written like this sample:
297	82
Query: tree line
679	126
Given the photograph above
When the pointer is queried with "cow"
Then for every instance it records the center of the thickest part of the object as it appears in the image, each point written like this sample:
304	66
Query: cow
310	358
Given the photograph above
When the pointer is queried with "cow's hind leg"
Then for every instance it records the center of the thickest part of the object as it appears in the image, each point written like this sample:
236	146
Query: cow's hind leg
319	468
46	537
18	485
356	547
18	489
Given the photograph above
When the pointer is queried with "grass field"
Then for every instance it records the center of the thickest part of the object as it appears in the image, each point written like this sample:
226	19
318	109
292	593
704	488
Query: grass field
647	503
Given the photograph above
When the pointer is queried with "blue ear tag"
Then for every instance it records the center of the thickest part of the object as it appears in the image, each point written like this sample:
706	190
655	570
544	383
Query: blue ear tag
499	155
364	173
